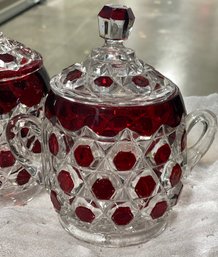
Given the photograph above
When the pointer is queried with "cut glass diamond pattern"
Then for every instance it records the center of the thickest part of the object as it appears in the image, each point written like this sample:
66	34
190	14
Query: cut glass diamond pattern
133	177
145	182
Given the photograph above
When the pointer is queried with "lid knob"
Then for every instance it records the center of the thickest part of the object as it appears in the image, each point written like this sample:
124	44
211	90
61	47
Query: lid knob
115	22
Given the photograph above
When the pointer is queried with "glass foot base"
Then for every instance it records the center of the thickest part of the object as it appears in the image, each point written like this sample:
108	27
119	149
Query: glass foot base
20	197
121	239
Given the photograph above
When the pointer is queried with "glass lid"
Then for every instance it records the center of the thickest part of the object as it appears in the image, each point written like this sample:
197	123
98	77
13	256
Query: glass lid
112	74
16	60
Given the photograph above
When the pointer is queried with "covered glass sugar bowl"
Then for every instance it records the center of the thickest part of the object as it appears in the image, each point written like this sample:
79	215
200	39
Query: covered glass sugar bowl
115	141
23	85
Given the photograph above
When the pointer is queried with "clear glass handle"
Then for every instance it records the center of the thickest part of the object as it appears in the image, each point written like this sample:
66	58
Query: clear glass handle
209	122
22	131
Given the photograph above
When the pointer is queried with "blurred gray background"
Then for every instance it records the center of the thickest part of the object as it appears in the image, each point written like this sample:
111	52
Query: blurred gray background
178	37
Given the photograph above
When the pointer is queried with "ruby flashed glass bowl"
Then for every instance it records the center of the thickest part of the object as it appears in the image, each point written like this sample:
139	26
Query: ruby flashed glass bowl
24	84
117	127
114	141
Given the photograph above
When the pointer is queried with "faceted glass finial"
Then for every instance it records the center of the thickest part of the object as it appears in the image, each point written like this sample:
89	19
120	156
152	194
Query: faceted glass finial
115	22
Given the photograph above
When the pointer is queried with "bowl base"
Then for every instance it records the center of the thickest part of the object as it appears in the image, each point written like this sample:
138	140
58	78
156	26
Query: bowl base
121	239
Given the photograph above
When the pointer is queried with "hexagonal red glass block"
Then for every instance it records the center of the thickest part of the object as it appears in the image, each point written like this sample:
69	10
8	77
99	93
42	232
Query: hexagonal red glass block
65	181
124	161
36	147
53	144
7	58
117	13
162	155
103	81
85	214
83	155
159	209
122	216
175	175
140	81
145	186
157	86
73	75
24	132
103	189
55	201
6	159
23	177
